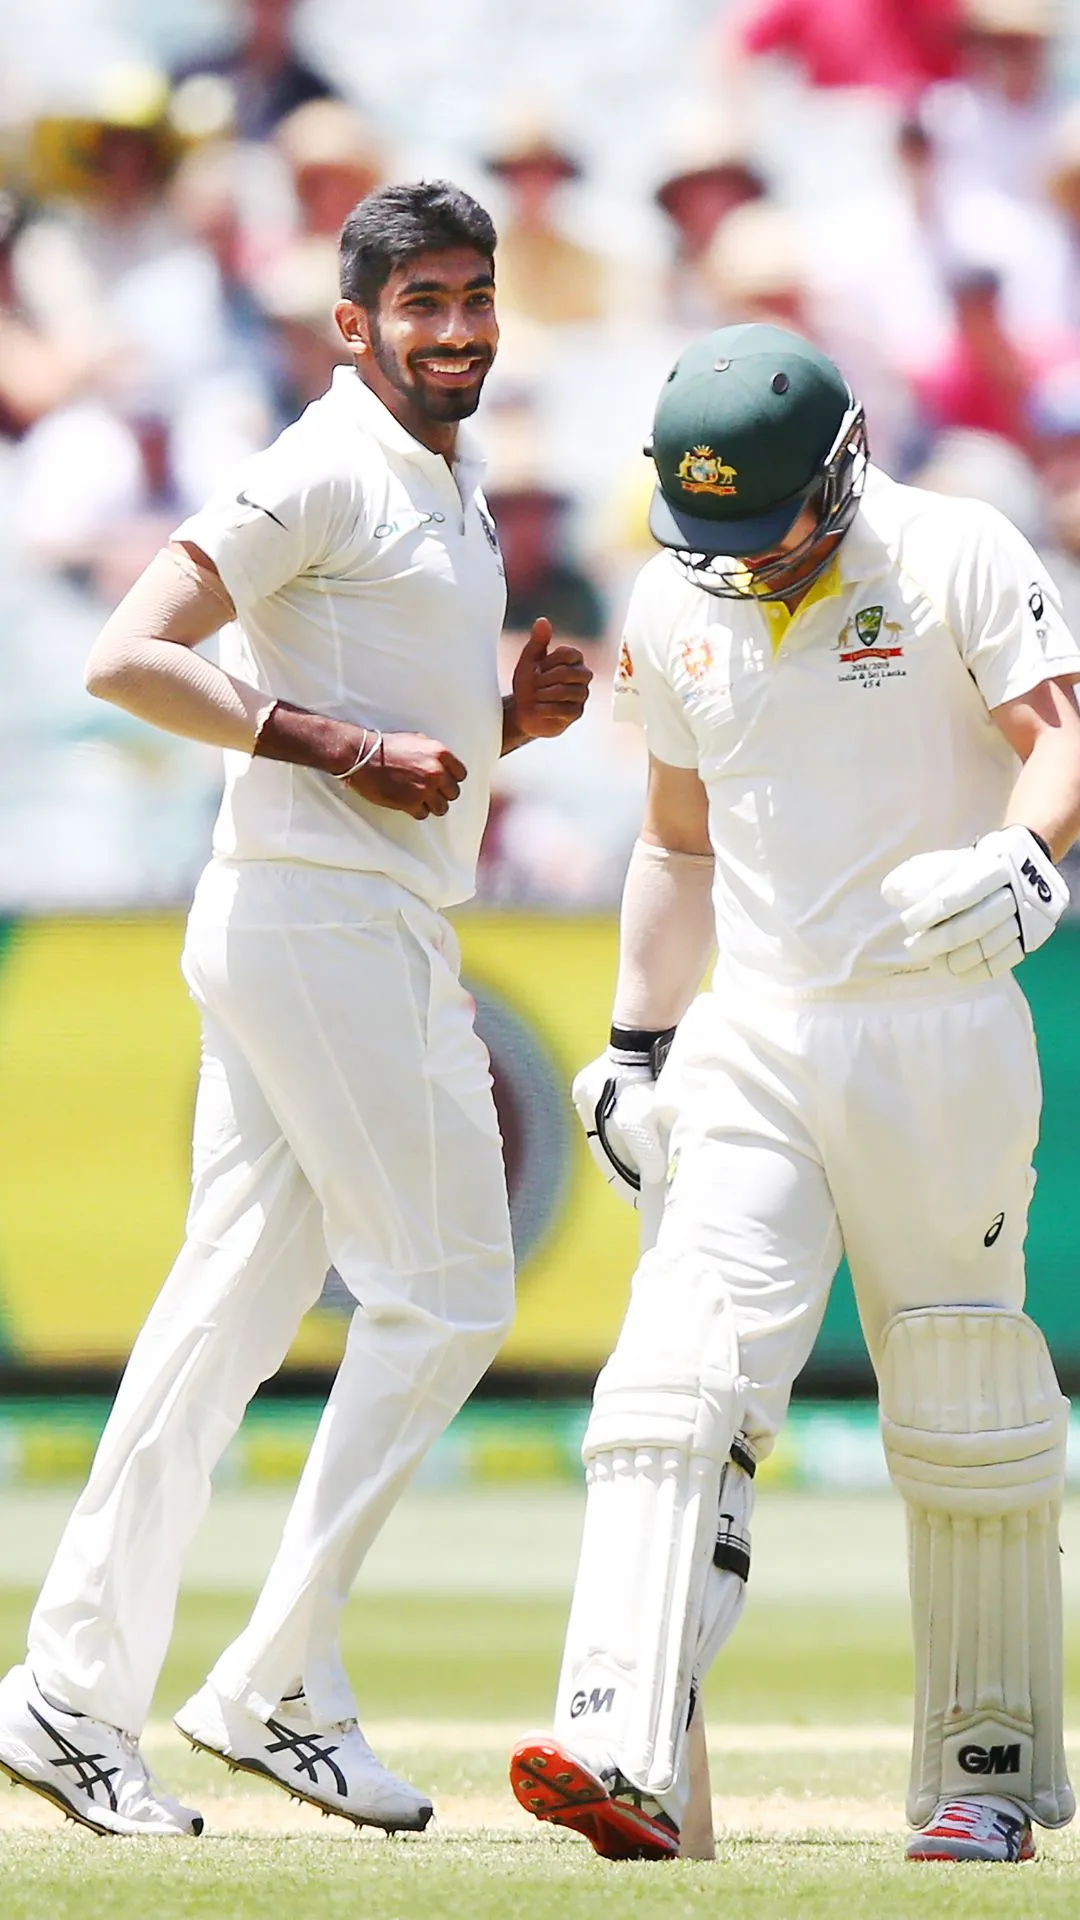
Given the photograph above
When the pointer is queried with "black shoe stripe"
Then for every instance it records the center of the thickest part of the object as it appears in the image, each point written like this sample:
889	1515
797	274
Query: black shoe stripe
90	1773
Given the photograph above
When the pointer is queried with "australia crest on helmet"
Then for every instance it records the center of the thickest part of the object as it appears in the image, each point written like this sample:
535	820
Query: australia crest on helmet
702	471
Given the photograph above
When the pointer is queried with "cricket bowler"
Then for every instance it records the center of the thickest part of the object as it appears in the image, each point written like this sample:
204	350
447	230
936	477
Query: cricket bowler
344	1109
859	704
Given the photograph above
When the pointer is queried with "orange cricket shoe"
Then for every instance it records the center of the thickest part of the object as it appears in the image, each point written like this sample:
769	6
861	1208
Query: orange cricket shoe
555	1785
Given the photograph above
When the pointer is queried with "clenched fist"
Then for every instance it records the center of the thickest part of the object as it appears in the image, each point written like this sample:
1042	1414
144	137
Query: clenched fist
409	774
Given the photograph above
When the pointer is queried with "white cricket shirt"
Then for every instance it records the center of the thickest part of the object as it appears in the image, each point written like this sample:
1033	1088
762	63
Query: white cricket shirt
864	736
368	586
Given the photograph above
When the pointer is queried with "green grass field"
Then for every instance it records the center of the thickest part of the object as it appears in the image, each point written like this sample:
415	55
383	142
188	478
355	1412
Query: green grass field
453	1643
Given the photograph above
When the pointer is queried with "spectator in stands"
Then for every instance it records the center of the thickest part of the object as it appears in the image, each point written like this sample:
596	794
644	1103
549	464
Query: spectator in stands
110	249
334	160
1055	420
298	292
101	174
541	576
981	466
39	370
761	267
992	126
984	379
708	177
567	836
174	402
1063	185
896	46
206	197
881	258
544	274
97	494
755	269
265	76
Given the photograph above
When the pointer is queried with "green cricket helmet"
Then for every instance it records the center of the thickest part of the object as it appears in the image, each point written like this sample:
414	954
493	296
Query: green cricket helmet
752	425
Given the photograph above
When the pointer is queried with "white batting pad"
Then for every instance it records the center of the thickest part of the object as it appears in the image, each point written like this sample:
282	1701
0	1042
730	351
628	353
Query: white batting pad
664	1415
974	1427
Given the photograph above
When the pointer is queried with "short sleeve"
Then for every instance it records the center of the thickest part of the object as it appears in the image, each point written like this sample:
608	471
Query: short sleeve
1008	613
280	516
642	692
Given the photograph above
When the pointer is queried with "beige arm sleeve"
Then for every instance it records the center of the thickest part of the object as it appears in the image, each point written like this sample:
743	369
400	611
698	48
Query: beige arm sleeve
665	936
143	658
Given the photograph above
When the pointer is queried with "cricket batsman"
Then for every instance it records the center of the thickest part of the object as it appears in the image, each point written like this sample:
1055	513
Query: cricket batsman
859	704
344	1110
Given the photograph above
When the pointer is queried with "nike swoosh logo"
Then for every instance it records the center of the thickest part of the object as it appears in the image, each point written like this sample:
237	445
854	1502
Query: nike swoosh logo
243	501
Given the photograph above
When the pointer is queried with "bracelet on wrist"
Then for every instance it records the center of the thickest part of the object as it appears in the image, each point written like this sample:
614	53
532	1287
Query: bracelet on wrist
372	744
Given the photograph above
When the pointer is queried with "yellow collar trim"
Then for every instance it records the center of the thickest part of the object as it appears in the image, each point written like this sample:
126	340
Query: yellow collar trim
778	619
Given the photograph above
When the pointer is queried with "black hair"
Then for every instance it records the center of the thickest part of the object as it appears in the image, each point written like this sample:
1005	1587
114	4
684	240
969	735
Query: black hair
396	223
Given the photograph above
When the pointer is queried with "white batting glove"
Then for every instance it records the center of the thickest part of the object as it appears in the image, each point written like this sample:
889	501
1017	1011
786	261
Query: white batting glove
974	912
615	1098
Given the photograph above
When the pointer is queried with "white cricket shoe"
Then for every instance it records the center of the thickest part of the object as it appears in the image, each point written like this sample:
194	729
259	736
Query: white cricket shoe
331	1767
93	1772
984	1827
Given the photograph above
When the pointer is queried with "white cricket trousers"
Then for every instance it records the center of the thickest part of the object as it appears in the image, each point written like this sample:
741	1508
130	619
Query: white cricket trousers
895	1126
344	1114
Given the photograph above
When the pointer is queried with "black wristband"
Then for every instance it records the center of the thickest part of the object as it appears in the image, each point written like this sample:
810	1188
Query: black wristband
641	1046
1041	844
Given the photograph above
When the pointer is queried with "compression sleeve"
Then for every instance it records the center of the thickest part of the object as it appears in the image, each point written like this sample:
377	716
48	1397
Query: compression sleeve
665	935
143	659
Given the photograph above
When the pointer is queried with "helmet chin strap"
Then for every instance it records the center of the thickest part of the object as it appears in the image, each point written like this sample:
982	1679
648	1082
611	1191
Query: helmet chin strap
838	491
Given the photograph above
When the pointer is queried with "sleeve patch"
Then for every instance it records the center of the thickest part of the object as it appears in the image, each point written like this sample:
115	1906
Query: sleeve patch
624	672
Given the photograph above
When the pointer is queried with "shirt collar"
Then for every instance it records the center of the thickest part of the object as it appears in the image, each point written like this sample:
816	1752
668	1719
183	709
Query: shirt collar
864	552
348	390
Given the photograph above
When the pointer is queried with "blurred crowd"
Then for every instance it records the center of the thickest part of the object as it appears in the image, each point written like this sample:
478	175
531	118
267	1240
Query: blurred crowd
897	179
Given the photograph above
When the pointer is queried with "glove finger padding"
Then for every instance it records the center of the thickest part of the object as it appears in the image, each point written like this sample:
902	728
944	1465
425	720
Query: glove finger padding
984	932
594	1092
633	1122
915	887
615	1105
978	910
976	962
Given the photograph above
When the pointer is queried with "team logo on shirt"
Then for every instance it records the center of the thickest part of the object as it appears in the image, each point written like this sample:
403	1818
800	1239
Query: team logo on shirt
489	529
624	672
702	471
865	649
697	658
1038	609
243	501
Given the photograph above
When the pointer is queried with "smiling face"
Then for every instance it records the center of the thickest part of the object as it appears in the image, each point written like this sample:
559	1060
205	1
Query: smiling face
426	349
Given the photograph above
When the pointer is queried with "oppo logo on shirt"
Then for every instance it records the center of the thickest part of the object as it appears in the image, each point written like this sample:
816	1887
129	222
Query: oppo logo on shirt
415	520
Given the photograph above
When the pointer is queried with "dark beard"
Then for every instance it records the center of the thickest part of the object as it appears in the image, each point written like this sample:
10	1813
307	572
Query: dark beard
441	407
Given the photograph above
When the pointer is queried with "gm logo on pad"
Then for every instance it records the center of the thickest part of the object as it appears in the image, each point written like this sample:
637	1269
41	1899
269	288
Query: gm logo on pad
990	1759
594	1701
